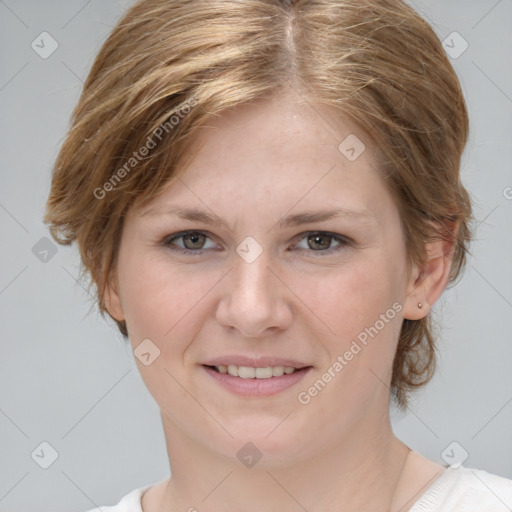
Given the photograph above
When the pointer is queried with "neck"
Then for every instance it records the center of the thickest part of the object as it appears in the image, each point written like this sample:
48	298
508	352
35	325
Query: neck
361	471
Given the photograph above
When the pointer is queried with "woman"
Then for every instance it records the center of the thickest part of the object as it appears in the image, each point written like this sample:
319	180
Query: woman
267	197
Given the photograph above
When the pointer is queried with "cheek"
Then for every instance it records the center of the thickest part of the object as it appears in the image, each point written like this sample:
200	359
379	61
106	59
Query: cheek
162	304
354	296
361	305
159	299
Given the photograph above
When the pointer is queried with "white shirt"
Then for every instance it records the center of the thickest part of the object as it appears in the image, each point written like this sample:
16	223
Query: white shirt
456	490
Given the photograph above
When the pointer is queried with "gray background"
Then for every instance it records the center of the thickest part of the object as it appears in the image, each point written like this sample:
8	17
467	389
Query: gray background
67	377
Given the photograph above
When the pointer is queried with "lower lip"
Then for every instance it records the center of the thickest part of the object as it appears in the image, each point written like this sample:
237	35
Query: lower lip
257	387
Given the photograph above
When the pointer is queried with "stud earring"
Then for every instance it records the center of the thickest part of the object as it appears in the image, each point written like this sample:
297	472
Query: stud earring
420	305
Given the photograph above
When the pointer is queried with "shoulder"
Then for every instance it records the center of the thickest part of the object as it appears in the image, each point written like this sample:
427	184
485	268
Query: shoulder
131	502
467	490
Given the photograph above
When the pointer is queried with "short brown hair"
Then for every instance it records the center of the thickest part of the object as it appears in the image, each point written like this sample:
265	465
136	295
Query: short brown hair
376	61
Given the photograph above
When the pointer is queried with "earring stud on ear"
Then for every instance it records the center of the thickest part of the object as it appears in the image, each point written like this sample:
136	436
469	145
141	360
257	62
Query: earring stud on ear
420	305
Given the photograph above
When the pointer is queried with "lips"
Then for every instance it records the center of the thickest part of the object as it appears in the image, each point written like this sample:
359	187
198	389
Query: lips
256	375
248	385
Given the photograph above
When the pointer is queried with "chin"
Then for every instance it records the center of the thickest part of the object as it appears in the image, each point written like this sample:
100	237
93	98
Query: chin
264	439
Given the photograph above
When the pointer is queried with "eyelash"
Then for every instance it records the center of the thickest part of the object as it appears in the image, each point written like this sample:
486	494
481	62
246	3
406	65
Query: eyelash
344	242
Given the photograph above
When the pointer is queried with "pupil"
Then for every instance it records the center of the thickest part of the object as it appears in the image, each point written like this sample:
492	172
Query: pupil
194	238
317	237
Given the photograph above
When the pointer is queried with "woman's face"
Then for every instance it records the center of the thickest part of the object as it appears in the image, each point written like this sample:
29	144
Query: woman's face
328	294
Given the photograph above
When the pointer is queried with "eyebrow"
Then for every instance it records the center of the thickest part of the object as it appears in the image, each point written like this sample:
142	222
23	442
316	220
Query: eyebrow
296	219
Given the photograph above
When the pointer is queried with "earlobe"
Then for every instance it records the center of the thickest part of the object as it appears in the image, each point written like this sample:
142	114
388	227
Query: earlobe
112	301
428	282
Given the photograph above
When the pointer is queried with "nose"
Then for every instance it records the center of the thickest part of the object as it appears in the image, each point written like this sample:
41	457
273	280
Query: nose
255	300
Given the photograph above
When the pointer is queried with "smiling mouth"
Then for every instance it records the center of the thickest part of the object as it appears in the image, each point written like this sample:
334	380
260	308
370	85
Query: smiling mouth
249	372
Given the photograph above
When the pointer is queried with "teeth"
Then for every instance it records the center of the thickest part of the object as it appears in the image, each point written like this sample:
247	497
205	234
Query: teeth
248	372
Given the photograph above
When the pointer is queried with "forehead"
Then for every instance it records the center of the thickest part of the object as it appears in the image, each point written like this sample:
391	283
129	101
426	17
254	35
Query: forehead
279	128
278	153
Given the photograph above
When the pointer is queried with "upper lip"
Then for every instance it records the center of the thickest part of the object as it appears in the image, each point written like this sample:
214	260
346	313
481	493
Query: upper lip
255	362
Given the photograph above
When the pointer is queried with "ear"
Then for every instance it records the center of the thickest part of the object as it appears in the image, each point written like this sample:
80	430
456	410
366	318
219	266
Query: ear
428	281
112	300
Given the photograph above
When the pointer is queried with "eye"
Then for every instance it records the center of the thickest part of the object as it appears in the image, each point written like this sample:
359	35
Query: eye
320	241
193	242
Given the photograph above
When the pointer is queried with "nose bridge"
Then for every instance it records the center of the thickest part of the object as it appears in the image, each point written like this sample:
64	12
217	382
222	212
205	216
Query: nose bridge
251	275
252	299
